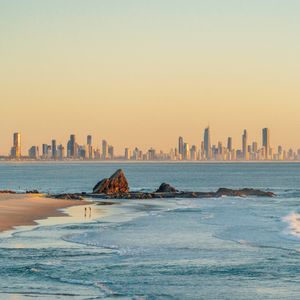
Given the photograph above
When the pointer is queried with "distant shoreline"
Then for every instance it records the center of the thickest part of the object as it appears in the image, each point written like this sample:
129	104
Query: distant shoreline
146	162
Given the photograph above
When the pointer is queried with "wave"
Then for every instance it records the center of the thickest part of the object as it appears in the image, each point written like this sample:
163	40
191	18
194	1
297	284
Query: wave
293	220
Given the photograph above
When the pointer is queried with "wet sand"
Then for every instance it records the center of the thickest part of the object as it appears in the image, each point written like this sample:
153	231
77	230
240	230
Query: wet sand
24	209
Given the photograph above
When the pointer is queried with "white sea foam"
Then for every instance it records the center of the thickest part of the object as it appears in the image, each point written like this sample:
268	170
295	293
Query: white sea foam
293	219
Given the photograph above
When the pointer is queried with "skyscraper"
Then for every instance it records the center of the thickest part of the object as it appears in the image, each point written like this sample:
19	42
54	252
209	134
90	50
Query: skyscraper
110	151
207	144
180	146
33	152
266	141
104	149
72	147
16	149
89	140
245	148
45	149
229	143
60	152
54	149
186	151
127	154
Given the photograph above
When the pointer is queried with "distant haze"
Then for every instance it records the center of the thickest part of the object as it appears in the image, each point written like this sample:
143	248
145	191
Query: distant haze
141	73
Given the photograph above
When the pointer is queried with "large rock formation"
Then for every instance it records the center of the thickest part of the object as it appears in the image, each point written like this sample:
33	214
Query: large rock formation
117	183
116	187
166	188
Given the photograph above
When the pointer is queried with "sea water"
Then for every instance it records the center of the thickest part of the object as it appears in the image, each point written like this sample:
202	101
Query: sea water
223	248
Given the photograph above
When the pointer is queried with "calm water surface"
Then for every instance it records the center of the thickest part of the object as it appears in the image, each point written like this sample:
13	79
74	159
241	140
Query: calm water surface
226	248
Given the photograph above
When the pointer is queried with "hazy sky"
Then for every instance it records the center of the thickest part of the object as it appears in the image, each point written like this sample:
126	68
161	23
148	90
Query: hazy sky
142	73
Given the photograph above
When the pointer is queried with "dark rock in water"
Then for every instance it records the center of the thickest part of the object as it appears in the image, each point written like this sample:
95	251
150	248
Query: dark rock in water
243	193
68	196
186	194
117	183
116	187
7	192
32	192
166	188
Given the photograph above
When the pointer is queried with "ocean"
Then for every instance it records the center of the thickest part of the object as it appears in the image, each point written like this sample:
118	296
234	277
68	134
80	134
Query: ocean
223	248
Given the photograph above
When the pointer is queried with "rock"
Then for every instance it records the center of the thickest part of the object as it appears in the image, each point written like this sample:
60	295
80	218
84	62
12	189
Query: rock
68	196
32	192
7	192
117	183
166	188
243	193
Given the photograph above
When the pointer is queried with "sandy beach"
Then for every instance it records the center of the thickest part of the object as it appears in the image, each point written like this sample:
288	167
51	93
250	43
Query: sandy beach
24	209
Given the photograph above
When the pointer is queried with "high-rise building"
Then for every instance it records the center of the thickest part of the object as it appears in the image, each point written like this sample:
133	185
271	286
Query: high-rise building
110	152
186	151
16	148
151	154
46	151
54	149
229	143
104	149
266	141
127	154
245	148
72	147
180	146
60	152
89	140
33	152
207	144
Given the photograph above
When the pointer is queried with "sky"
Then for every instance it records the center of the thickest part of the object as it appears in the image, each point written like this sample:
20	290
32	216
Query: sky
141	73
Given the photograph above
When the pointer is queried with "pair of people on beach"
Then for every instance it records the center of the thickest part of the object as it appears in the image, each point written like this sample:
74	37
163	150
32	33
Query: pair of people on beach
85	211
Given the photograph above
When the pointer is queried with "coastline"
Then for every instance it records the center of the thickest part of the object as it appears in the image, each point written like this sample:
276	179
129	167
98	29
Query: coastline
27	209
200	162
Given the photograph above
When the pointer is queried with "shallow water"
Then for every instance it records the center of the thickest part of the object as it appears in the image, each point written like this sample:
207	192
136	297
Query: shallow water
226	248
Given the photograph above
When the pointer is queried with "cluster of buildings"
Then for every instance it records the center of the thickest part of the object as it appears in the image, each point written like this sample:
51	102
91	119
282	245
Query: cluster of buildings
72	151
250	151
206	151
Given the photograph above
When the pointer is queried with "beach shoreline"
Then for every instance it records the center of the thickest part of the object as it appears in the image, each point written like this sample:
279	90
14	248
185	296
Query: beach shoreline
27	209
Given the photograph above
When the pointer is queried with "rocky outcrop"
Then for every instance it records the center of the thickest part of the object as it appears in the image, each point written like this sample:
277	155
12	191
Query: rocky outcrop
116	187
7	192
166	188
117	183
32	192
243	193
68	196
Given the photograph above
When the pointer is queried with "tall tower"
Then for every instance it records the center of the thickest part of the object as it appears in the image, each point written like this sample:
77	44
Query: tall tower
180	146
245	147
104	149
266	141
89	140
16	149
73	146
207	144
54	149
229	143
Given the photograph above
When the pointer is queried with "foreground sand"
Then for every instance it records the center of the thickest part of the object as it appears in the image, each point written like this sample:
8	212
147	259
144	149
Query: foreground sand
23	209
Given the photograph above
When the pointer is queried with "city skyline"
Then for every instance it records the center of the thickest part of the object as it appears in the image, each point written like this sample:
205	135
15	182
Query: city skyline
28	140
205	150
